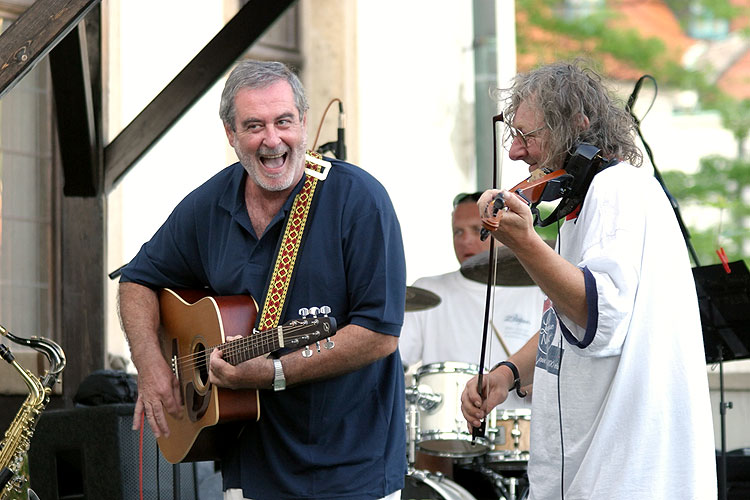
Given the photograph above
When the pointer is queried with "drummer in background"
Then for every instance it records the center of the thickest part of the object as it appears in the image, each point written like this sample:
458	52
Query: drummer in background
452	330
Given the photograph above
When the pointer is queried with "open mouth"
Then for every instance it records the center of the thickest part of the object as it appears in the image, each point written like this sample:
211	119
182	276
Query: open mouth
273	161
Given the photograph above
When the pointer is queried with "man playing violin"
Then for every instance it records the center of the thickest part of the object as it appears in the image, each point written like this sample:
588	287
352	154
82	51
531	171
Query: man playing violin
621	406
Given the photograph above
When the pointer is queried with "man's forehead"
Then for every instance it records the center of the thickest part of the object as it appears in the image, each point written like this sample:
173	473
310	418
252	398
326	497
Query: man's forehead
526	113
466	210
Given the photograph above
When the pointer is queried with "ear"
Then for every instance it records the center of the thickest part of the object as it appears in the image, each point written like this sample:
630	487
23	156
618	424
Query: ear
581	121
230	134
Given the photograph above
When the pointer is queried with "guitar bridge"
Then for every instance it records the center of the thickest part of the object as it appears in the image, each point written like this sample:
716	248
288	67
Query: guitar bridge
175	370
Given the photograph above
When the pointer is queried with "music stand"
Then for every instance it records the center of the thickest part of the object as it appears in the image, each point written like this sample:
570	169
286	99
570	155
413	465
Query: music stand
724	302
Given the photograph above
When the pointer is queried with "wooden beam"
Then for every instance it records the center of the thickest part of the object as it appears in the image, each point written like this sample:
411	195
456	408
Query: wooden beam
34	34
76	127
188	86
83	293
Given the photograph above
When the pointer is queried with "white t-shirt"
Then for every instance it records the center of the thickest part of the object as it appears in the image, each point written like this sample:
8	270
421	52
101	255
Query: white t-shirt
452	331
634	401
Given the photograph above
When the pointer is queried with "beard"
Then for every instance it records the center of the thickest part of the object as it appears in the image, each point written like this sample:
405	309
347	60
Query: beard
285	178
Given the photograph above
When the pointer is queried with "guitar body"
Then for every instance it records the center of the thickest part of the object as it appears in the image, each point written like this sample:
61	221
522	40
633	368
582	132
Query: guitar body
192	323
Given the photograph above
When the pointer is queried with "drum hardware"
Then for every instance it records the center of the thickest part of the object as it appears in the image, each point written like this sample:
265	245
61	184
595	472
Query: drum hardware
509	487
412	426
428	400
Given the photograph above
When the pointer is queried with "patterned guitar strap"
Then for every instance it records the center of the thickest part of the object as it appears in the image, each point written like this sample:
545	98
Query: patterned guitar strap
316	169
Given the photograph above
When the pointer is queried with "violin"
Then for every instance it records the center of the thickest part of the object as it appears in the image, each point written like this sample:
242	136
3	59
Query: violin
569	183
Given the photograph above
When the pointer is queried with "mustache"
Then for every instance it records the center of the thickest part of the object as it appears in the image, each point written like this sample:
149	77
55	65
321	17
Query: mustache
272	152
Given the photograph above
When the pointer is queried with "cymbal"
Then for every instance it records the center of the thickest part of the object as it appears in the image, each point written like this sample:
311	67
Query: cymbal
419	299
509	271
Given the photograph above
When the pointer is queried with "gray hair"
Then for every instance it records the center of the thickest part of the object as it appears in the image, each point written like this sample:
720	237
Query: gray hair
257	75
565	92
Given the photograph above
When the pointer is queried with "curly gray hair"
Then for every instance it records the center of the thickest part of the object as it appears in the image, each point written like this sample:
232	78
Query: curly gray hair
565	92
256	75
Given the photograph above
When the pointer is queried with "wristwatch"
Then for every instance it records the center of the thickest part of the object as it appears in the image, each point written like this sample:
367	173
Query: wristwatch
279	382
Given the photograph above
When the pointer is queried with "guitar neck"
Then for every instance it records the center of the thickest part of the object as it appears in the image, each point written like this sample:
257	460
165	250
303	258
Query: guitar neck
236	351
296	333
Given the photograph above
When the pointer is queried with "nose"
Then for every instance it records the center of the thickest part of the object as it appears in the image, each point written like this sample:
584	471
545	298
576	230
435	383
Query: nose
517	149
271	138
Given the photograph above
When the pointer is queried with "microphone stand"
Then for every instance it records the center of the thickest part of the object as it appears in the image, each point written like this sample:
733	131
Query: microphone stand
722	476
657	174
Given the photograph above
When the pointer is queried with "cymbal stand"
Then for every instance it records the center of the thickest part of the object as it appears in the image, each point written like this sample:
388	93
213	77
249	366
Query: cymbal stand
412	426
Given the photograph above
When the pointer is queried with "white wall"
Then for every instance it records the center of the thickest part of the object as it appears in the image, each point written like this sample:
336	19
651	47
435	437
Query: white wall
416	117
155	40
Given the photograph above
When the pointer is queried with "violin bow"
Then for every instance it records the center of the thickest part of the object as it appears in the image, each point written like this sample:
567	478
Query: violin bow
479	431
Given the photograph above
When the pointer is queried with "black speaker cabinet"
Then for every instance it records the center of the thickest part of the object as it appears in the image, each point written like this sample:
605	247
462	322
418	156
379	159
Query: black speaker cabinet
738	473
92	453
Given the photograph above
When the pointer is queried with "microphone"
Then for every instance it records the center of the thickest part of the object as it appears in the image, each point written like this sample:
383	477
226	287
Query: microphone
340	144
634	96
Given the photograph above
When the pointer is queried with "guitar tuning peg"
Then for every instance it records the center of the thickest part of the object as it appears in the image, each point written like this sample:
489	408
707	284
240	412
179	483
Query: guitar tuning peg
314	311
317	344
328	344
325	310
307	352
304	312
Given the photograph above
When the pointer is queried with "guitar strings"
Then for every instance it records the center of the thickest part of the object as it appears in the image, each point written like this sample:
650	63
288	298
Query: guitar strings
233	346
257	340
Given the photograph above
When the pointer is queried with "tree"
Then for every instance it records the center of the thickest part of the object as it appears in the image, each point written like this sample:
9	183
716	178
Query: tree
720	182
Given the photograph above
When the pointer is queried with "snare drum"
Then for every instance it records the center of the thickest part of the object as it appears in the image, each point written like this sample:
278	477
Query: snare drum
443	431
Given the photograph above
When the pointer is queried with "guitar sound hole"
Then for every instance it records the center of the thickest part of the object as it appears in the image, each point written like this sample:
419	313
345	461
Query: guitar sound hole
202	364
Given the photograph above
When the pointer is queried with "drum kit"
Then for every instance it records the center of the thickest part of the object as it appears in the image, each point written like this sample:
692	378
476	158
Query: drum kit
436	427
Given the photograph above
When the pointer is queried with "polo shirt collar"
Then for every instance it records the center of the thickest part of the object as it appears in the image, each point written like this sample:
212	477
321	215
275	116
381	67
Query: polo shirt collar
233	199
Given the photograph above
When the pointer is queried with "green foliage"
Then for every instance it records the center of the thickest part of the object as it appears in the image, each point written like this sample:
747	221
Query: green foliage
717	189
735	116
711	9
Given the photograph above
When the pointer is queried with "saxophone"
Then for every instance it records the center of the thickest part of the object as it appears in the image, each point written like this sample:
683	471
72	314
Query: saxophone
15	444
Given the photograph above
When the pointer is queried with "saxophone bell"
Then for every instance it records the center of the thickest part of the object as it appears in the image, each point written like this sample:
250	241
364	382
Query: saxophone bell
15	445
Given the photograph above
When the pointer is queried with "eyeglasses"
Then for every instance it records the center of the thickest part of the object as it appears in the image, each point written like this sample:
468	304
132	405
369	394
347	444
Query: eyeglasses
512	132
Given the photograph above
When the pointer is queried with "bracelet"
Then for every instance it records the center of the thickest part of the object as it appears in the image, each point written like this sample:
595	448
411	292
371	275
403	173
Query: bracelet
516	378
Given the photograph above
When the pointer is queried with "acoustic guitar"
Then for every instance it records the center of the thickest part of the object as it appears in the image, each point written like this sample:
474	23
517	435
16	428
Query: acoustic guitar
193	324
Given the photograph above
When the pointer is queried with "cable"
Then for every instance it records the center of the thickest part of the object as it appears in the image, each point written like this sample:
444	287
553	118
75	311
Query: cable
559	414
140	459
322	118
559	398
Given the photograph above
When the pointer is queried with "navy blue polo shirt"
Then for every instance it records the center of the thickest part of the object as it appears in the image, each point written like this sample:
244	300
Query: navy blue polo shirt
339	438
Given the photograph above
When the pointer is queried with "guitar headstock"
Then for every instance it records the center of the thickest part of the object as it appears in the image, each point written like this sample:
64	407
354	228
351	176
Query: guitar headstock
327	322
313	326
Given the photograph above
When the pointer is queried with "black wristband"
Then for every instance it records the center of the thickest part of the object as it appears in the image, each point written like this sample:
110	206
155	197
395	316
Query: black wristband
516	377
